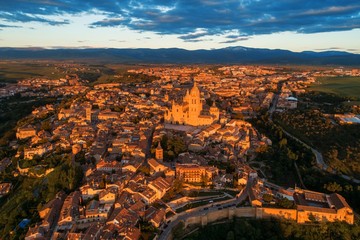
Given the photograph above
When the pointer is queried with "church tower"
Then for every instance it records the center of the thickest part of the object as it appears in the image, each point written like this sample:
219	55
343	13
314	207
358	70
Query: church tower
195	105
214	111
159	153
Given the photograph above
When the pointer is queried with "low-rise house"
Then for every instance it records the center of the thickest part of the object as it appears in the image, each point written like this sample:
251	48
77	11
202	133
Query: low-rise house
35	233
29	153
94	212
50	211
131	167
155	216
148	195
25	132
107	196
94	232
156	166
69	211
161	185
112	166
108	115
88	192
123	217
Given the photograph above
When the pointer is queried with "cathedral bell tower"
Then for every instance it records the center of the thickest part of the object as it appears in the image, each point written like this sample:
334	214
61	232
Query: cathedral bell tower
195	104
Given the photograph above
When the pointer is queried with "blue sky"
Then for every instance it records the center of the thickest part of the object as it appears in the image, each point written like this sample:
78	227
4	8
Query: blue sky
296	25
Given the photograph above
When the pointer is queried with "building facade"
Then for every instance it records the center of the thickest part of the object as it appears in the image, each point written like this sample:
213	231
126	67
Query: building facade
190	111
194	173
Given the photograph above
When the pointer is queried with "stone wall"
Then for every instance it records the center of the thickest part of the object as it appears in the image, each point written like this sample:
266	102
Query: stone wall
230	213
260	213
227	213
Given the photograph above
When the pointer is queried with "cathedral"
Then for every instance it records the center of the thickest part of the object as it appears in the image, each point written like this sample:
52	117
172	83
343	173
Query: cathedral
190	111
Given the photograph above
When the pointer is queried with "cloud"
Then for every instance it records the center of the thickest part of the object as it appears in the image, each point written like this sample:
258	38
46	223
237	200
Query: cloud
237	39
194	35
184	18
9	26
115	40
352	50
337	49
108	22
22	17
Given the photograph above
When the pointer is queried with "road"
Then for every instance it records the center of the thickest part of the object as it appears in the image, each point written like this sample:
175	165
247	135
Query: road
318	156
213	207
320	160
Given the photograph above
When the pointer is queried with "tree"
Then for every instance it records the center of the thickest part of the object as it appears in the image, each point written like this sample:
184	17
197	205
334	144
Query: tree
204	180
268	197
286	203
333	187
230	235
312	218
283	142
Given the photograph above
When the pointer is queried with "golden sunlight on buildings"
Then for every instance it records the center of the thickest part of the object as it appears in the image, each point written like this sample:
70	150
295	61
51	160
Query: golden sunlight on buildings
189	112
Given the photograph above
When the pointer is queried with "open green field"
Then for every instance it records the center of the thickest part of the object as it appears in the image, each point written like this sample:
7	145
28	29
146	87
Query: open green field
342	86
13	71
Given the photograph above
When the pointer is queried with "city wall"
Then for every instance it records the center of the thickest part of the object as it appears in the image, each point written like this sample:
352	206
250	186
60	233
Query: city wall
230	213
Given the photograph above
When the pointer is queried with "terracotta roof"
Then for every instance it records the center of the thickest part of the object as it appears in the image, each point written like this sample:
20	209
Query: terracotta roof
139	205
338	201
153	163
315	209
159	216
312	196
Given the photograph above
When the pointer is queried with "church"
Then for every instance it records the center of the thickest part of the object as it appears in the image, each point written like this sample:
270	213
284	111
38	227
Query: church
190	111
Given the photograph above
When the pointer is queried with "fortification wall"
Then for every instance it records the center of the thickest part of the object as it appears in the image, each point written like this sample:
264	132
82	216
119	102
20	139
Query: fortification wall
230	213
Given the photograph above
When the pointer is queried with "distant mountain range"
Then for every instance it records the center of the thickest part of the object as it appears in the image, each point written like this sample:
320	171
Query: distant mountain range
229	55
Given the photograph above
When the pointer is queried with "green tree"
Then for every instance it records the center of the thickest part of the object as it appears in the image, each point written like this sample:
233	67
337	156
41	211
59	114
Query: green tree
333	187
230	235
286	203
283	142
204	180
268	197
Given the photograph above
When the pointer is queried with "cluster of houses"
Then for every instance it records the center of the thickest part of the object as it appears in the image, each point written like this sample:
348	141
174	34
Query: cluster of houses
113	125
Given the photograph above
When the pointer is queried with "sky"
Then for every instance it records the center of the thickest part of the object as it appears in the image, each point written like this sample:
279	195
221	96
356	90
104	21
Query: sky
296	25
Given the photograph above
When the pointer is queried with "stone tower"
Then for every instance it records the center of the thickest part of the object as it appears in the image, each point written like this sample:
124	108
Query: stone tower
195	105
159	153
214	111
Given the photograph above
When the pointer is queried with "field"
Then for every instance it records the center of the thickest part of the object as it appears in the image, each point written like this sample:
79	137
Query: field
12	71
342	86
